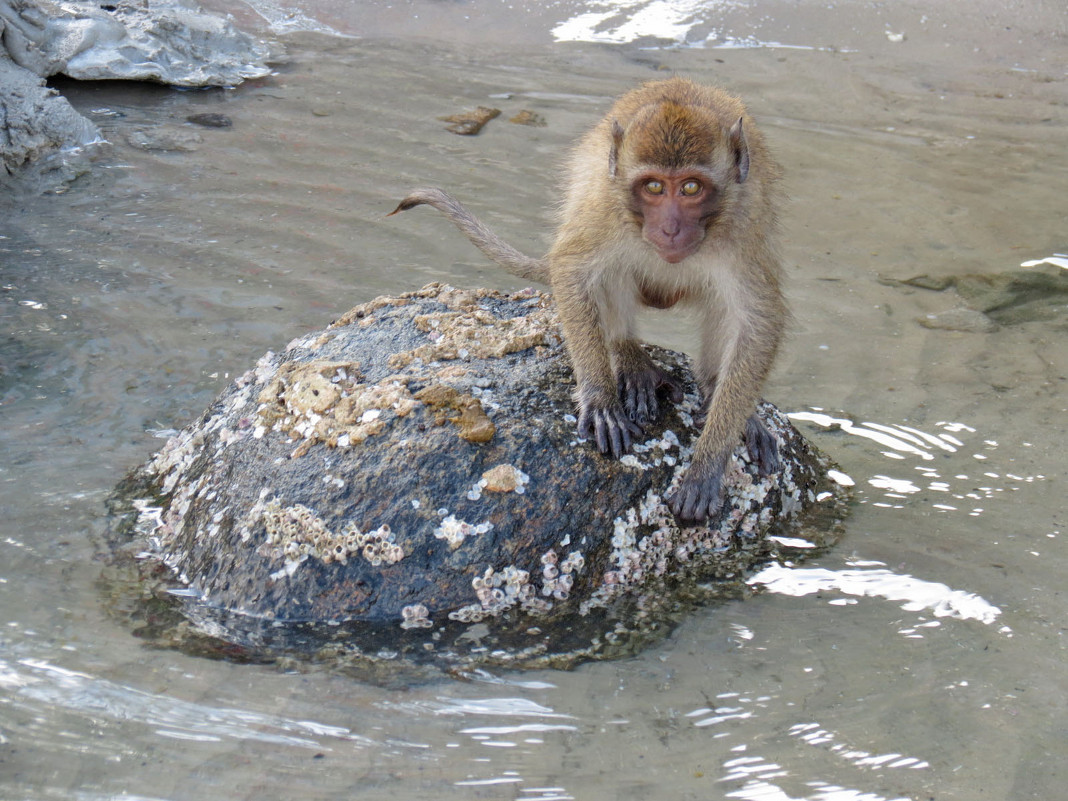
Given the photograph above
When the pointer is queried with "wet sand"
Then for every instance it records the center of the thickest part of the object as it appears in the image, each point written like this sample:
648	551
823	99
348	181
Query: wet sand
130	299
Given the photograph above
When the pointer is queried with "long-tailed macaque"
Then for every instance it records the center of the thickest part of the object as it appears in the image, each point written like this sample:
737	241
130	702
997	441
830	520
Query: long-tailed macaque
670	201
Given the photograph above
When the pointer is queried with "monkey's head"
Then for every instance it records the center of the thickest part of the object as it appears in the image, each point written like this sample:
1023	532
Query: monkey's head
678	168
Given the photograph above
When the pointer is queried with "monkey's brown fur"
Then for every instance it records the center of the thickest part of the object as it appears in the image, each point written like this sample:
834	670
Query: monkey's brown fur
670	200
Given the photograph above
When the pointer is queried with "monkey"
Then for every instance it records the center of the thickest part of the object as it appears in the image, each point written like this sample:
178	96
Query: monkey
670	201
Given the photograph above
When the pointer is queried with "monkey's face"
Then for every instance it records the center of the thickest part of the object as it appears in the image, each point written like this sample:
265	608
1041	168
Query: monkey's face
674	209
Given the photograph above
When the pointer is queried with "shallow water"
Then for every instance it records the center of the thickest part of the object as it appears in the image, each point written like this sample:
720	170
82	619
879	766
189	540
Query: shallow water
923	658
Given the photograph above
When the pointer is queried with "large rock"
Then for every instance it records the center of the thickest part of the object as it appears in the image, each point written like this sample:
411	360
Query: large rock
38	124
409	482
169	41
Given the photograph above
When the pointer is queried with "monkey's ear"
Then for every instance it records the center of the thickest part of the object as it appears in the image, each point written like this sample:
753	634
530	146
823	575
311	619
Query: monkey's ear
741	150
613	152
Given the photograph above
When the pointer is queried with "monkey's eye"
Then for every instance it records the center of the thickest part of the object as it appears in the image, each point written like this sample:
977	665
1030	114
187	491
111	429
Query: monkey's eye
654	187
691	188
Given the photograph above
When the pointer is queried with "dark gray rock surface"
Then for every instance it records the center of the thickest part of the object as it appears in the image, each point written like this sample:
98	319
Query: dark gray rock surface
408	482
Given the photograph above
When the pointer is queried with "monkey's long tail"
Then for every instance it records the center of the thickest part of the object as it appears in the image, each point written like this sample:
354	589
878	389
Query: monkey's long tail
518	264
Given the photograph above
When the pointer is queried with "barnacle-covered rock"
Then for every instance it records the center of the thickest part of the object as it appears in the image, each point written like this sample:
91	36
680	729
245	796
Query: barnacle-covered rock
333	501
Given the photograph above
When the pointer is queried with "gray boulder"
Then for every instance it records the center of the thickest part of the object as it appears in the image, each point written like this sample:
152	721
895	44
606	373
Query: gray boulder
408	482
169	41
38	124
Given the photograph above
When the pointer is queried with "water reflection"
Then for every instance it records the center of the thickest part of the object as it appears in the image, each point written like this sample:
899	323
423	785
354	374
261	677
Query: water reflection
962	491
47	683
880	583
758	772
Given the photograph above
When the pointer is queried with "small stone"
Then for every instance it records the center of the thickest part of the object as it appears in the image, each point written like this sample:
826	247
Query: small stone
210	119
502	478
469	123
527	117
967	320
474	423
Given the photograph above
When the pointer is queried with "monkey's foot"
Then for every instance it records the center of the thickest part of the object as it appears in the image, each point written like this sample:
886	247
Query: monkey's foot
609	427
700	495
638	390
762	446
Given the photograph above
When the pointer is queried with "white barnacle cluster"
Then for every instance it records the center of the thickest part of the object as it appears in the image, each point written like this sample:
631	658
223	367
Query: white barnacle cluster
558	576
497	592
416	616
653	452
376	546
176	456
476	332
636	558
295	533
485	397
265	368
325	401
455	531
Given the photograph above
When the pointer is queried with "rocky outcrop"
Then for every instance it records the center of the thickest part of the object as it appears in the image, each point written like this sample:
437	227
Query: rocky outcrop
409	482
168	41
37	125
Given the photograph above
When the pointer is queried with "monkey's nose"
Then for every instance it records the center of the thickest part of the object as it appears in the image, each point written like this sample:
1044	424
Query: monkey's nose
670	229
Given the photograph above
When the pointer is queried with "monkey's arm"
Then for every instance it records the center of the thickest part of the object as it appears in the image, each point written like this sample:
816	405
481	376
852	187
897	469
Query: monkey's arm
518	264
742	370
602	416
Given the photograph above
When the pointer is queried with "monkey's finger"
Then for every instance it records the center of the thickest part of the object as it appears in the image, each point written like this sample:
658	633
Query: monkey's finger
643	405
636	400
584	428
762	446
674	389
629	430
617	433
697	499
620	439
604	442
681	505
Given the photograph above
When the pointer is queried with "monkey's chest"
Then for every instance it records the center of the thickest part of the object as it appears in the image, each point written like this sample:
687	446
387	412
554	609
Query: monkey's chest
657	297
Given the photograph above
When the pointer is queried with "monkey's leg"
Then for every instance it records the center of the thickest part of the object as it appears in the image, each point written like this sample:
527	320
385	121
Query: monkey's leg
601	417
639	380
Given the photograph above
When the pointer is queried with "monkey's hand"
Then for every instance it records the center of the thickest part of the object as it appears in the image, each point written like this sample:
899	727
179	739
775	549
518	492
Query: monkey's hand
609	427
762	446
700	496
638	391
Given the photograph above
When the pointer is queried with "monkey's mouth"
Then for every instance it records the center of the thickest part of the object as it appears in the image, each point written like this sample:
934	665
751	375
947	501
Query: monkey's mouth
673	255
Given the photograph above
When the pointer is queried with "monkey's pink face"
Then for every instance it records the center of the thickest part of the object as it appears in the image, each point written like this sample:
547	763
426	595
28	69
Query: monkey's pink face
674	208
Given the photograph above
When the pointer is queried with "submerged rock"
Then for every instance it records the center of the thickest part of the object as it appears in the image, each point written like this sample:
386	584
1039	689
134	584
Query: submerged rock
408	483
967	320
1005	298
